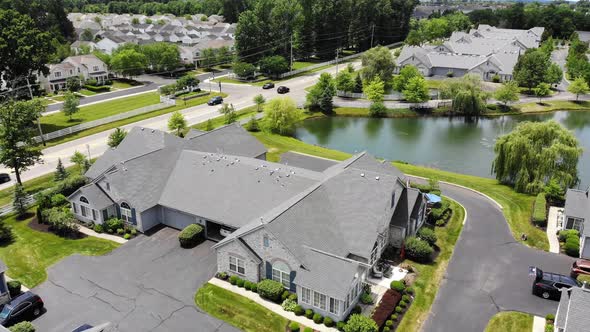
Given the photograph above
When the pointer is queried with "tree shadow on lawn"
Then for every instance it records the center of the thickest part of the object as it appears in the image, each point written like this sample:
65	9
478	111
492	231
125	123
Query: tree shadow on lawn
51	127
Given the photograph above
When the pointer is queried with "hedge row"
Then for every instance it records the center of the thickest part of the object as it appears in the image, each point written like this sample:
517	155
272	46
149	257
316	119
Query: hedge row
103	88
571	238
540	210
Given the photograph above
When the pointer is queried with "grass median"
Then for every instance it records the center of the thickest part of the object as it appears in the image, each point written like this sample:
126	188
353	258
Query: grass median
180	106
238	311
512	321
32	252
430	275
554	105
220	120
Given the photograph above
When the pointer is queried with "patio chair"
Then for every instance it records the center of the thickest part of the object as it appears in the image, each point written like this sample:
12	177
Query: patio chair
376	272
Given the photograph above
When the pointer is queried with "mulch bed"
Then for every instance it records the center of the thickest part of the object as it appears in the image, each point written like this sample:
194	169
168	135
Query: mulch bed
386	306
35	225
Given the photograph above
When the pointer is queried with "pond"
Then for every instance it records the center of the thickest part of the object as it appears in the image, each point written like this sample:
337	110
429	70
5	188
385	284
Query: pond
455	144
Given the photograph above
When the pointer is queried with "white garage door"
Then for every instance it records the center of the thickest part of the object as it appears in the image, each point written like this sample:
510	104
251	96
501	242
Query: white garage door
177	219
586	248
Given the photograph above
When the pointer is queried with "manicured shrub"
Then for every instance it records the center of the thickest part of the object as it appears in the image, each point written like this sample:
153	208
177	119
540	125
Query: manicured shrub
271	290
366	298
418	249
98	89
440	223
403	304
309	313
386	329
340	326
98	228
58	200
394	317
254	287
294	327
397	285
328	322
113	224
120	231
293	297
308	329
247	285
550	317
285	295
23	327
540	210
566	233
428	235
289	305
358	323
572	248
317	318
190	236
222	275
233	280
389	323
127	236
409	290
298	310
357	309
399	309
496	78
133	232
14	287
549	328
240	282
406	298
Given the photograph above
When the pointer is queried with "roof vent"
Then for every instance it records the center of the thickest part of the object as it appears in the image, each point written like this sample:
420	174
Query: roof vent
377	178
142	128
271	172
153	130
232	163
363	175
212	170
256	168
205	157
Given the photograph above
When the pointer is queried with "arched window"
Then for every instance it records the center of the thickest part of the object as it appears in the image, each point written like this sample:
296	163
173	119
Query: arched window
83	200
281	273
126	212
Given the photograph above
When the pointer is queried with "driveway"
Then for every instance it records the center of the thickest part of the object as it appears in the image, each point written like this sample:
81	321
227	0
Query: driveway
148	284
488	272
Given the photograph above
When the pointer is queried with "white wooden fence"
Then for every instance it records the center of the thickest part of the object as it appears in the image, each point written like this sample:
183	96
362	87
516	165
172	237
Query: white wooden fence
331	62
394	96
164	103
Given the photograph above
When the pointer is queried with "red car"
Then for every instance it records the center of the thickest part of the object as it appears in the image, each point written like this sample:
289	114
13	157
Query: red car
580	266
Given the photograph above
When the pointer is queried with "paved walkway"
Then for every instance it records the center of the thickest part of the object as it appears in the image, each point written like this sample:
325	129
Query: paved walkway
552	229
276	308
538	324
90	232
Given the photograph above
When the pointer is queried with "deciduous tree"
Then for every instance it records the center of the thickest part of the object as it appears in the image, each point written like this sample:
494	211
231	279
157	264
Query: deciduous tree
405	74
542	90
416	90
280	116
259	101
507	93
19	202
578	87
116	137
70	105
128	62
378	61
177	123
374	90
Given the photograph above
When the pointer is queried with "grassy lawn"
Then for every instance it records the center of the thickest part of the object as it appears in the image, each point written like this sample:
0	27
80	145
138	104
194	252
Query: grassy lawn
88	113
124	84
434	84
238	311
430	275
512	321
517	208
227	79
391	112
220	120
180	106
555	105
32	251
302	64
86	92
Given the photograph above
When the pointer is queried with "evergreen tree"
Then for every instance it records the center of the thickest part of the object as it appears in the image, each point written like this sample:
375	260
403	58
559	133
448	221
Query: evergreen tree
116	137
252	125
209	125
60	171
358	84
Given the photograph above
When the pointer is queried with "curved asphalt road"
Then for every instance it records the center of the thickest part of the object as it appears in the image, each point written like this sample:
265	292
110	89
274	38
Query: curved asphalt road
488	271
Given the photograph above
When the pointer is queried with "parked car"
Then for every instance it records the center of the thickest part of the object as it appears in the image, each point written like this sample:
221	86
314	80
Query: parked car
23	307
282	89
4	177
215	101
268	85
90	328
548	285
581	266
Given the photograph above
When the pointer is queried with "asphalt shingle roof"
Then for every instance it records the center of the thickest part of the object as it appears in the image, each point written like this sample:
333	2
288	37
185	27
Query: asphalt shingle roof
95	195
577	204
576	314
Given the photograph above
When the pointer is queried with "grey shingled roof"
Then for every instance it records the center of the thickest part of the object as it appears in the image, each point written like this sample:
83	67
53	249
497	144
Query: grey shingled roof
561	315
577	204
192	133
577	318
231	190
3	267
95	196
231	139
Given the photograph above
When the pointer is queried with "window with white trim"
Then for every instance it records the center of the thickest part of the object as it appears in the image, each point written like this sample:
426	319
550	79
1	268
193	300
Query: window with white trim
126	212
94	214
95	68
305	295
319	300
334	306
57	74
281	273
236	265
75	208
265	241
84	210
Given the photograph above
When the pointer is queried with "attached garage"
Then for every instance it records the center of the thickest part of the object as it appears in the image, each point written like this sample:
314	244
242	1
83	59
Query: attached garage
177	219
585	247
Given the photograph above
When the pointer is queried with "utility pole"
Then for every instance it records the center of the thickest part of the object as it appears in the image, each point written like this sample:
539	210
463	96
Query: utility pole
88	150
337	53
291	64
372	33
38	120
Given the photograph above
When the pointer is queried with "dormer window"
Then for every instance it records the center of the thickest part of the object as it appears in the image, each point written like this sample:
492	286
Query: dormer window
265	241
57	74
84	200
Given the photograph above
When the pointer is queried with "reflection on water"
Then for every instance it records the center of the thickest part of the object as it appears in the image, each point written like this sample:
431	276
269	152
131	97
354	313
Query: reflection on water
455	144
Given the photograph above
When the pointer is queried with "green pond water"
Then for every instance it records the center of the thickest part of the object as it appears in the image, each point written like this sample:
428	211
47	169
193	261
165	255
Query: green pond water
455	144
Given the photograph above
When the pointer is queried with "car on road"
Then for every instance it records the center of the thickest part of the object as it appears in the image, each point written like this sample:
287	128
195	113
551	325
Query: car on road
90	328
283	89
268	85
580	266
4	177
25	306
548	285
215	101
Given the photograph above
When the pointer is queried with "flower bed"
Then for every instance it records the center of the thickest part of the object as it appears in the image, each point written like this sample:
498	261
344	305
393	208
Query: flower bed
393	305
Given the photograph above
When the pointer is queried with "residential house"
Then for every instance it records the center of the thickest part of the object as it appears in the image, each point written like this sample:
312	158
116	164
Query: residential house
488	52
84	67
317	233
576	214
572	312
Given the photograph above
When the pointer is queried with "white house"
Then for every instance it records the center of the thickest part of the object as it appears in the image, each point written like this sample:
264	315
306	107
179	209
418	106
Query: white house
84	67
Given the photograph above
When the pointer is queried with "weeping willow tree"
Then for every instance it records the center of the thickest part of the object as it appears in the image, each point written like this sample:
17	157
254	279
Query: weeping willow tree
466	93
535	153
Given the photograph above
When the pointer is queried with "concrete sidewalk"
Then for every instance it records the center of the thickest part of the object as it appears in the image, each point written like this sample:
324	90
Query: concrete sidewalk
90	232
552	229
538	324
276	308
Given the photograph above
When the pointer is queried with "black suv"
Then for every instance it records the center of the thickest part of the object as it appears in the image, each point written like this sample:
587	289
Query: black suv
215	100
23	307
268	85
548	285
4	177
282	89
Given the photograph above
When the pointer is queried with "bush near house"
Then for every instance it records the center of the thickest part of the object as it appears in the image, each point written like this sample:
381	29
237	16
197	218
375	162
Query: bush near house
14	287
360	323
308	329
98	89
566	233
299	311
418	250
271	290
233	280
540	211
23	327
385	307
112	225
328	322
317	318
572	247
428	235
294	327
190	236
309	313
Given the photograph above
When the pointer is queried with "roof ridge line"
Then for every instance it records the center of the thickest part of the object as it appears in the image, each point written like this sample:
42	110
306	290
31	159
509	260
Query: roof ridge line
334	255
